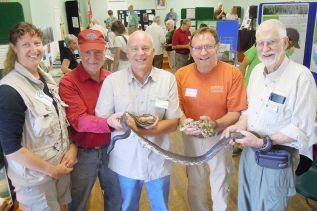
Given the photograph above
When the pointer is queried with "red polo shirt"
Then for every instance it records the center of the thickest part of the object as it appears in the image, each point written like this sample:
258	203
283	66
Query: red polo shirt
80	92
181	37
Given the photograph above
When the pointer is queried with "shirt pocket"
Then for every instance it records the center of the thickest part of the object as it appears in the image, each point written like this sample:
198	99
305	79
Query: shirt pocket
272	113
44	122
158	105
122	103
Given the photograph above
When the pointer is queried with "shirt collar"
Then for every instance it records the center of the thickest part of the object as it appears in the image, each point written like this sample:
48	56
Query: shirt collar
84	76
152	76
277	73
23	71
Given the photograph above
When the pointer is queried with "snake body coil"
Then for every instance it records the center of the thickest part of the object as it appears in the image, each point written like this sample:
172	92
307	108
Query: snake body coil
174	157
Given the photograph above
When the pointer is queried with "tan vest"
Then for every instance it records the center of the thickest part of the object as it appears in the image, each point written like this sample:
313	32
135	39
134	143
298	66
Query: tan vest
44	131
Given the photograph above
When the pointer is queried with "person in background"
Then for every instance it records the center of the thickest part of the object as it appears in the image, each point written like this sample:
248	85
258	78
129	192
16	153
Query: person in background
133	20
96	26
110	20
120	60
180	43
171	16
68	57
33	126
202	25
233	14
142	89
278	90
80	89
216	90
219	12
168	45
158	37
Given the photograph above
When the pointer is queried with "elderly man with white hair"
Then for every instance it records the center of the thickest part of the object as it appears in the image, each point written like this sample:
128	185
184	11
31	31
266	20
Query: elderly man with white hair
279	120
158	35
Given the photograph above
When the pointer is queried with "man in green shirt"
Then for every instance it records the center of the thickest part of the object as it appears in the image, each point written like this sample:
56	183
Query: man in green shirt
133	20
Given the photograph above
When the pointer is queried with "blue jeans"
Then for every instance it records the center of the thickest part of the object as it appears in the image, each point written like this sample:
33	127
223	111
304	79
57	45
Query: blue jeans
93	163
157	191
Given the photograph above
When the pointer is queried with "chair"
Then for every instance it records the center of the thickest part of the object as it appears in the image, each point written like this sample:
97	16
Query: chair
306	184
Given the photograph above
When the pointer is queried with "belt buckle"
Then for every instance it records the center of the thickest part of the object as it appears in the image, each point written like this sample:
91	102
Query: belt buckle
96	148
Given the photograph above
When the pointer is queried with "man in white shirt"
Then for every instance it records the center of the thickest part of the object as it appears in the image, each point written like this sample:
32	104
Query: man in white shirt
281	111
141	89
158	35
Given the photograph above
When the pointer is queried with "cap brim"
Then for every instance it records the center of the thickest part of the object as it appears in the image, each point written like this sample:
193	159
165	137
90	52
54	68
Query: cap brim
92	46
296	45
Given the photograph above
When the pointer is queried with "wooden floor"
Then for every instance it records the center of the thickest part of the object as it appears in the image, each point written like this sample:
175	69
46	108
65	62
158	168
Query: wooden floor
178	192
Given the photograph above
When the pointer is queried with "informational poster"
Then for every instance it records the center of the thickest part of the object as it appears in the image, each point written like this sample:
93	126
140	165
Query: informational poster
75	22
293	16
313	62
190	13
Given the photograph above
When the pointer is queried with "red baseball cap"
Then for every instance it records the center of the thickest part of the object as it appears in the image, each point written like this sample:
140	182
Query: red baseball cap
89	39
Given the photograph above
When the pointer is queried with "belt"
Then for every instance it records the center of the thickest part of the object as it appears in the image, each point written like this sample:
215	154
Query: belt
92	148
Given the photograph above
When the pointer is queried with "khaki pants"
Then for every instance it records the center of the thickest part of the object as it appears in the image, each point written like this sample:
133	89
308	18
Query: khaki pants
220	168
158	61
171	60
180	60
132	29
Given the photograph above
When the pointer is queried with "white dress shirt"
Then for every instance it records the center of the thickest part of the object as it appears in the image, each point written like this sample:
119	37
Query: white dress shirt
158	35
295	117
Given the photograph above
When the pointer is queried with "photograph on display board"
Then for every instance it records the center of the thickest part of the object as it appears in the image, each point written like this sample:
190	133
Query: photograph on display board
160	4
292	15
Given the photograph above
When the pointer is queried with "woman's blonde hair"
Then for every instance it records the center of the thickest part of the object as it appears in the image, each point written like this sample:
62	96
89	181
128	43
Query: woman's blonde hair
17	32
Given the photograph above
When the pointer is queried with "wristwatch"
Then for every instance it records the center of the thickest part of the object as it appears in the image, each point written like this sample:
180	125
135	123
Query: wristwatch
267	144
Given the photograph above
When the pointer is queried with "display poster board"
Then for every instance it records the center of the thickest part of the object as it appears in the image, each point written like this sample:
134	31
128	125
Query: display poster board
145	17
302	17
313	60
227	31
291	15
189	13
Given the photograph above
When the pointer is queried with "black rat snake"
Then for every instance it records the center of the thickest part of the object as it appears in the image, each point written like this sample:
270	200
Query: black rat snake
177	158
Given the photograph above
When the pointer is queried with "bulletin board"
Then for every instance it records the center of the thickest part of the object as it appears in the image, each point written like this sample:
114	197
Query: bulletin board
301	16
145	17
11	14
227	31
189	13
205	15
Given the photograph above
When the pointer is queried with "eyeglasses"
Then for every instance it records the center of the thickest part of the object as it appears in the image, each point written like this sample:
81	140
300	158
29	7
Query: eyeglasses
207	47
269	43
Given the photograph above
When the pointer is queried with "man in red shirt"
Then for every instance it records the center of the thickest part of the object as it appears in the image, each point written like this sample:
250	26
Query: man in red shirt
180	43
80	89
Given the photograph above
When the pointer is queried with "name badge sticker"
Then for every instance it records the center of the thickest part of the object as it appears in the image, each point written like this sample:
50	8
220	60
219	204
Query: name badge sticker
161	103
191	92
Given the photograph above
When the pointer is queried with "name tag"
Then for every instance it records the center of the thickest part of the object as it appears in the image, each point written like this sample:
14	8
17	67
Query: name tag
191	92
43	98
277	98
161	103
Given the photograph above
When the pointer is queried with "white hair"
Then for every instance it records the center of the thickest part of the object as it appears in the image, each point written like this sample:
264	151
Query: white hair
70	38
156	19
219	5
170	22
273	24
